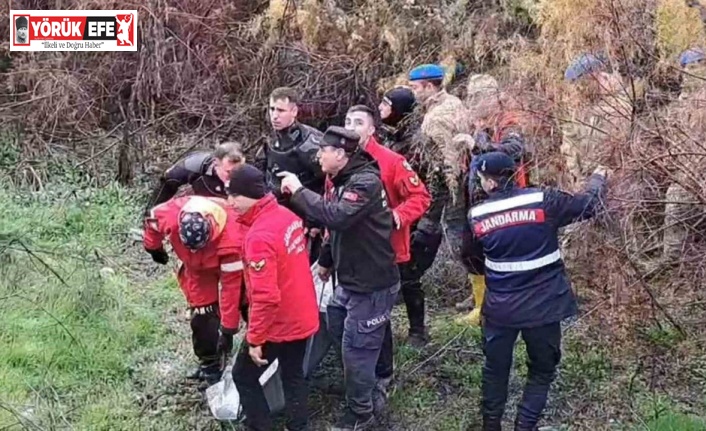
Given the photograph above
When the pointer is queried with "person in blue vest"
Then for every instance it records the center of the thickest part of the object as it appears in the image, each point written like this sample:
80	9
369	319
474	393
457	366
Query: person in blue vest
516	233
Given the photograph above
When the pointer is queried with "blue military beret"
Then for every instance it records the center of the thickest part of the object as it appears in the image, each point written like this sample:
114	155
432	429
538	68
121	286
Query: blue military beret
584	64
426	71
496	164
691	56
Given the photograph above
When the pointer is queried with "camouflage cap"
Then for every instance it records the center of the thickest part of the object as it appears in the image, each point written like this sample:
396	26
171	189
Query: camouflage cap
585	64
692	55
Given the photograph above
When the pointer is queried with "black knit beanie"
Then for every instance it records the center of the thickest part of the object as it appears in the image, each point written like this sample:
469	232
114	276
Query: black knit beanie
402	101
247	180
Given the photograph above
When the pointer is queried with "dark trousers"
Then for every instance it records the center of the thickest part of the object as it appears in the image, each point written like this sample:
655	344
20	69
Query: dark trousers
423	252
472	253
314	248
413	294
246	376
205	322
544	353
358	323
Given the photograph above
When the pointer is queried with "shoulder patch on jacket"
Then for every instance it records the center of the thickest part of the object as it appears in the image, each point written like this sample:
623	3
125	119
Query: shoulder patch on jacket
407	166
350	196
257	266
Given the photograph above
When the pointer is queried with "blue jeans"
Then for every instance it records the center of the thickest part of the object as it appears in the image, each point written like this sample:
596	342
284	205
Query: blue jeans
358	323
544	353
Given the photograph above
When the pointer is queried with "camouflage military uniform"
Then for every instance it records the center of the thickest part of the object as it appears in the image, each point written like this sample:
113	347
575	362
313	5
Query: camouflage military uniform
687	116
587	136
444	120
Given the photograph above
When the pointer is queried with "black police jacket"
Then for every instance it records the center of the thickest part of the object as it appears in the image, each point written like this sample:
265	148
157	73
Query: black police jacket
196	169
359	224
293	150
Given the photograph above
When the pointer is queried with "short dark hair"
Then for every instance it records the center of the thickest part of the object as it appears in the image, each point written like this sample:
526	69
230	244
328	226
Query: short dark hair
362	108
232	151
282	93
438	83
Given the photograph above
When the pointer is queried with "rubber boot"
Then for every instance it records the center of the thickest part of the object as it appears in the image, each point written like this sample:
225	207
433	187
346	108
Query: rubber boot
478	285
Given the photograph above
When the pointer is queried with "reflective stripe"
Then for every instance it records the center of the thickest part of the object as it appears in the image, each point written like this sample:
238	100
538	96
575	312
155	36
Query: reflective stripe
526	265
505	204
232	266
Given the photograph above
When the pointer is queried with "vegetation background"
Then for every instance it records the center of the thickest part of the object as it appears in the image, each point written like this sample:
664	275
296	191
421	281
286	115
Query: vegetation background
93	335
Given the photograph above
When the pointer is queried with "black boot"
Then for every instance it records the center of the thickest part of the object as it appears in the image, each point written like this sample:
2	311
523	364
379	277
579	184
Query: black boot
521	426
492	423
194	374
414	301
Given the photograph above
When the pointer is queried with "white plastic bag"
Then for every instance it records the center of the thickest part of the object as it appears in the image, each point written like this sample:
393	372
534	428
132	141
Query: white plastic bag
324	290
224	400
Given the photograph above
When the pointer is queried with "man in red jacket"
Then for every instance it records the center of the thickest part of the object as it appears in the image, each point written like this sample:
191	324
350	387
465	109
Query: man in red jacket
408	199
283	311
206	238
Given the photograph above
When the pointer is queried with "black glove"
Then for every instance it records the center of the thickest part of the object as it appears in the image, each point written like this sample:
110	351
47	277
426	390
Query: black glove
160	256
225	342
424	246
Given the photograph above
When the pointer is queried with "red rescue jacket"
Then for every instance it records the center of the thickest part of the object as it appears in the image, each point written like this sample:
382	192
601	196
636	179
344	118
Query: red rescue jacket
406	194
219	261
278	280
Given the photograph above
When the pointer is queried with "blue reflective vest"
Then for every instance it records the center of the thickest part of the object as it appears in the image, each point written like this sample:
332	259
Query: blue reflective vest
517	231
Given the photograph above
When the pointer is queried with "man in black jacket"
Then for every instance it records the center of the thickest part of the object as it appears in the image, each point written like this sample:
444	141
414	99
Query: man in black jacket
354	210
293	148
206	173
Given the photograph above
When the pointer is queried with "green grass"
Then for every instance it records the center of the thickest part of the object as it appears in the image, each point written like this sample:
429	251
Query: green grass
70	338
86	348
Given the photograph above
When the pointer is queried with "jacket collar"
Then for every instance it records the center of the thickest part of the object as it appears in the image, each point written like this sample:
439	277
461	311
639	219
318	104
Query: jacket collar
436	99
267	203
292	132
359	161
373	147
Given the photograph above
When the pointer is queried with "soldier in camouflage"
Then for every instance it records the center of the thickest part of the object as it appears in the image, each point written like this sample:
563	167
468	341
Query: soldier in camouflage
591	126
444	116
686	116
496	127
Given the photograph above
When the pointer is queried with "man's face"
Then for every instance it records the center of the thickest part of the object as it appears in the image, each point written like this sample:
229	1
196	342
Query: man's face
385	110
22	33
488	184
423	90
241	203
331	159
224	167
282	113
362	124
